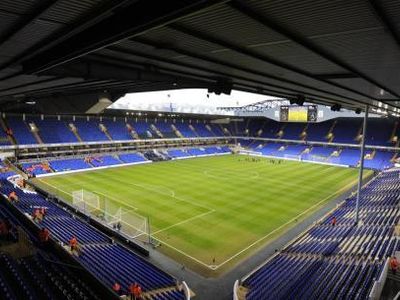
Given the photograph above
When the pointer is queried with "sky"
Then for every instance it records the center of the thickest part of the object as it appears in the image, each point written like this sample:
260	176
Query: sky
185	100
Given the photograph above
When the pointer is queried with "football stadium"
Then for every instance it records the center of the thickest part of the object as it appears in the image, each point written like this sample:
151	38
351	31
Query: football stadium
211	150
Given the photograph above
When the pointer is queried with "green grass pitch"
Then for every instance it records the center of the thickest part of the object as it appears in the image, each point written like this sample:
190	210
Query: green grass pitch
209	213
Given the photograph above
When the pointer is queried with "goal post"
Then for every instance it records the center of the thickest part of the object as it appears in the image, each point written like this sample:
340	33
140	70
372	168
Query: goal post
87	202
111	213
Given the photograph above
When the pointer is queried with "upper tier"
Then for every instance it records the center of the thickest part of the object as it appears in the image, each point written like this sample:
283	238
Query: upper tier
66	129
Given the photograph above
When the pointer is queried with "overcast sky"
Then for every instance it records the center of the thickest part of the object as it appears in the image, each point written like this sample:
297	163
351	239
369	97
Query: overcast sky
185	100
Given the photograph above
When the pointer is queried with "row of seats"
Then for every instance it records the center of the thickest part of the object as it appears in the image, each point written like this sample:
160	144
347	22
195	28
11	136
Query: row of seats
52	130
378	159
336	259
37	274
341	130
108	261
69	164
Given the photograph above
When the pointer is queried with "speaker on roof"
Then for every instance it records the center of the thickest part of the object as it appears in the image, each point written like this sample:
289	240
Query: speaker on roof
336	107
299	100
222	86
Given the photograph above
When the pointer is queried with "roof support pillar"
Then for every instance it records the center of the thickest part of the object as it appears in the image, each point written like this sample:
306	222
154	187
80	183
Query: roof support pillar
360	175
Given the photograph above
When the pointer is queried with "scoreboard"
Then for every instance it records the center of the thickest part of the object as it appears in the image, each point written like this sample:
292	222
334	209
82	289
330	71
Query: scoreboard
306	113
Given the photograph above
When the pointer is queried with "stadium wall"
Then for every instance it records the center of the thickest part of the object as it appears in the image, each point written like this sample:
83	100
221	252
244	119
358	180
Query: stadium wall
204	155
377	288
91	169
258	154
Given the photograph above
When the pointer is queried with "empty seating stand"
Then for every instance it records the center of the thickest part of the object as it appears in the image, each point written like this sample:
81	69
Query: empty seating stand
89	131
125	266
69	164
4	138
117	129
52	130
132	158
336	262
106	160
40	277
21	131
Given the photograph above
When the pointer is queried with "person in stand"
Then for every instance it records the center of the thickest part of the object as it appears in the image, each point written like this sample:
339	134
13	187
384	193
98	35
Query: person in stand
333	221
43	211
117	288
138	292
6	229
9	132
135	291
73	242
44	236
37	215
13	197
394	265
131	290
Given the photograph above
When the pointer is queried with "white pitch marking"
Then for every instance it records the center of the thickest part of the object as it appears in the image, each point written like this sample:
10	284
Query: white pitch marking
70	194
184	221
275	230
185	254
172	196
115	199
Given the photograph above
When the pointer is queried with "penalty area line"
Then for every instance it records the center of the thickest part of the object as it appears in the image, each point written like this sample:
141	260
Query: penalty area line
116	200
184	221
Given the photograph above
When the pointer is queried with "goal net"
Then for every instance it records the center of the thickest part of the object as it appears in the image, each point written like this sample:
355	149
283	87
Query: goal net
87	202
123	219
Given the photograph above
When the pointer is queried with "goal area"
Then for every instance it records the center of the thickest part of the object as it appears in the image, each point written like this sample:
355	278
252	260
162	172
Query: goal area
109	212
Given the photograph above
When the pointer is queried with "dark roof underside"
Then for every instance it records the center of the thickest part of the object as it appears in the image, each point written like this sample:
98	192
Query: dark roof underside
331	51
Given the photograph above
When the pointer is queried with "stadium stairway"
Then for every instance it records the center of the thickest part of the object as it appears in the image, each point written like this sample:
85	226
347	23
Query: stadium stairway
7	138
281	131
164	293
176	131
330	136
193	129
156	131
391	287
132	131
210	130
74	130
34	129
104	129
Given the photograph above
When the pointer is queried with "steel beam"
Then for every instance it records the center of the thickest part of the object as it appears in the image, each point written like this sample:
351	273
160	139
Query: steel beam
132	20
306	43
26	20
261	57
